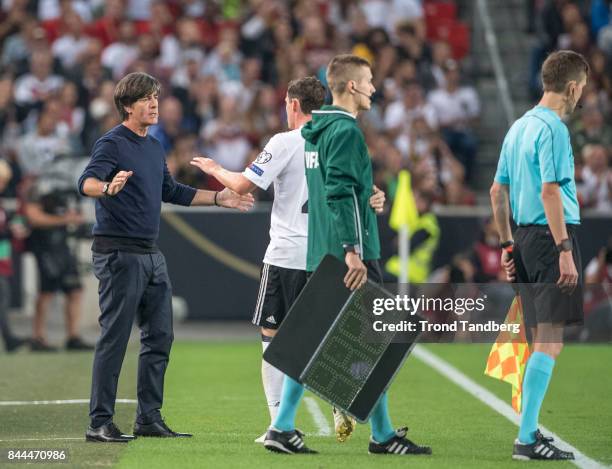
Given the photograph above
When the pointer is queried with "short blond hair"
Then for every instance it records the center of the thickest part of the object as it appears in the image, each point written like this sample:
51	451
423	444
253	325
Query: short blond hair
342	69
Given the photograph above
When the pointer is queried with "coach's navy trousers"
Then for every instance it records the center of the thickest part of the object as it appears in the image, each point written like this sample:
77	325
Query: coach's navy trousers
132	287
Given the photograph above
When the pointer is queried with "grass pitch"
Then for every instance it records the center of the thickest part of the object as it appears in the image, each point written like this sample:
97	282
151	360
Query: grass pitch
214	390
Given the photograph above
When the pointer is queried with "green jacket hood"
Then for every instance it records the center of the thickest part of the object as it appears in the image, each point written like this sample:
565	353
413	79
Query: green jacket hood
321	119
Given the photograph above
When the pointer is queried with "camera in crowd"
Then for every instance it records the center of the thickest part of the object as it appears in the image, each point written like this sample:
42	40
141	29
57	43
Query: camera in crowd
55	189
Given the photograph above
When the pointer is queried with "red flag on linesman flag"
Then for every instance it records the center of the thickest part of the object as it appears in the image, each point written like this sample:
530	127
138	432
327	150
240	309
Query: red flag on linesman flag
509	354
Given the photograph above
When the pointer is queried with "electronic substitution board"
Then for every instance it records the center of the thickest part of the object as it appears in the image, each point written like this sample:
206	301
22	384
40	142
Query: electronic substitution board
327	341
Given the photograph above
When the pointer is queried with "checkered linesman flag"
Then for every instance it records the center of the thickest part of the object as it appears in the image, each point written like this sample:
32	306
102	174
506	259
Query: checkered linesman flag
509	354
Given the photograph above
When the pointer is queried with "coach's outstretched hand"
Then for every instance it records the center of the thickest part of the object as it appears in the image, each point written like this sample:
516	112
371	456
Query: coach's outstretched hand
118	182
357	273
230	199
377	200
209	166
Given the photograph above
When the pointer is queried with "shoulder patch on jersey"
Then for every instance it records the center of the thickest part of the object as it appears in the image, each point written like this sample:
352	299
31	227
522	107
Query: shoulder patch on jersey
263	157
256	169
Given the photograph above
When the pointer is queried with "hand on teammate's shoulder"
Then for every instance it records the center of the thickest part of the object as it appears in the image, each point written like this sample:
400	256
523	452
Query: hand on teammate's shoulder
377	199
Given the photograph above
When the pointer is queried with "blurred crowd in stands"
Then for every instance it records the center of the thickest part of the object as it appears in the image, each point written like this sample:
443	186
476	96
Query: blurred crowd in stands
224	67
585	27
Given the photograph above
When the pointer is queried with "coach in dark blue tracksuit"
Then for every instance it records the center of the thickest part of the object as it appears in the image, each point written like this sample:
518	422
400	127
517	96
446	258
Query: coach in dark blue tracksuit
129	177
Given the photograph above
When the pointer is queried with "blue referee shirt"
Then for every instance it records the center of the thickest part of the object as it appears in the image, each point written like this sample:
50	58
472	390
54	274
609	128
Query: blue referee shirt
536	150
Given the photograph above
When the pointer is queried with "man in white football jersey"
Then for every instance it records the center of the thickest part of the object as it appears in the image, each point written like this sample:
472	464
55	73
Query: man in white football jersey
283	274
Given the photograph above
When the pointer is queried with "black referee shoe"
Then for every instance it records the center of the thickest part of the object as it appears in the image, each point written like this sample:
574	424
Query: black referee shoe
286	442
398	444
542	448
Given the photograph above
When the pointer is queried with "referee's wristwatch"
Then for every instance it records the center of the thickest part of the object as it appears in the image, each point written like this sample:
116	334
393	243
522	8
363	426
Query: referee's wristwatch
565	245
105	188
507	245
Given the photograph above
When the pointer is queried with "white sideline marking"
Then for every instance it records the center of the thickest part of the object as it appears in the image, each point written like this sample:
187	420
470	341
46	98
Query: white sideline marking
495	403
82	438
323	428
66	401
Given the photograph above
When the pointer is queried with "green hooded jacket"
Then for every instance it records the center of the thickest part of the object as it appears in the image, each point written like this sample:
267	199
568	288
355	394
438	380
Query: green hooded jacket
339	177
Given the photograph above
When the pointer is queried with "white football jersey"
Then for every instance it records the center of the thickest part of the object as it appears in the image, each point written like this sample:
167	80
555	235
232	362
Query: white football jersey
282	162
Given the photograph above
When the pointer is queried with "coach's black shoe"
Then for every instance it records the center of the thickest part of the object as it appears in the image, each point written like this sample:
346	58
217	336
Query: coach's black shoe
542	448
157	429
40	345
108	433
77	344
286	442
398	444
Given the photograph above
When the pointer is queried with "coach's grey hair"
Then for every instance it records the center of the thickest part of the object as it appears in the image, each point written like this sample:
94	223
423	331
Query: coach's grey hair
133	87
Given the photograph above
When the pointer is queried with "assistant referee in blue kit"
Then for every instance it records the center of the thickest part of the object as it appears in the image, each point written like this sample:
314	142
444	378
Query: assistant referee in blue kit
535	178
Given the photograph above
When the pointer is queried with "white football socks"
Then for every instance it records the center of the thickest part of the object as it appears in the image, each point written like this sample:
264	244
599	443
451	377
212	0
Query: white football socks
272	379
